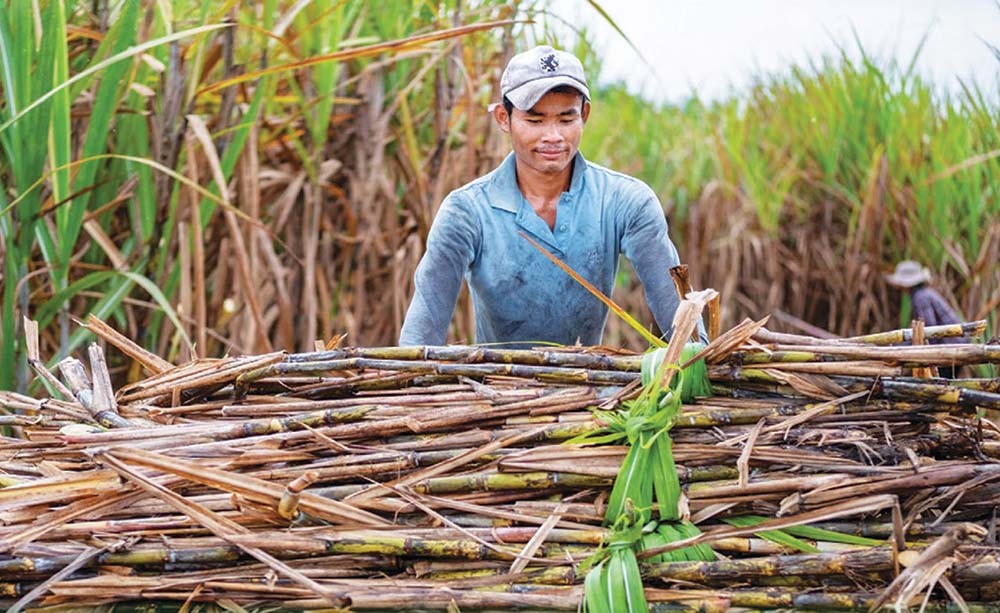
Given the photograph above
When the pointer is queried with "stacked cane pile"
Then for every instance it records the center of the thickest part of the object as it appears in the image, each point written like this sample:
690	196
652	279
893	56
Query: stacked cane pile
820	474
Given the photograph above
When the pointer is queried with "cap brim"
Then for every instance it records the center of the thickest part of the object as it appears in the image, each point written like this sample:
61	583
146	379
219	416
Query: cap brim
527	95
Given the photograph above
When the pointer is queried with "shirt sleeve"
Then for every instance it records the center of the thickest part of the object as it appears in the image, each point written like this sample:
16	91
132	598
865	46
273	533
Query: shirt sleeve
943	312
929	306
451	249
646	243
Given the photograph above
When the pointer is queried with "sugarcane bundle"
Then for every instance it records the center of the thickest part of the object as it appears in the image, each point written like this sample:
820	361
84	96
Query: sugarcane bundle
481	478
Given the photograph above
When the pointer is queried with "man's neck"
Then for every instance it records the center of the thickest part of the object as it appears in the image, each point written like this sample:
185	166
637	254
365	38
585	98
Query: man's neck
536	185
542	191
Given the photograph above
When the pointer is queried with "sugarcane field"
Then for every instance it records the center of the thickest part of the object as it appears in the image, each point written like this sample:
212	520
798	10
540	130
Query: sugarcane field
405	306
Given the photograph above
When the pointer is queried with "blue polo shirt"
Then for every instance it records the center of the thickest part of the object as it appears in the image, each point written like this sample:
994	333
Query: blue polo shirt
518	295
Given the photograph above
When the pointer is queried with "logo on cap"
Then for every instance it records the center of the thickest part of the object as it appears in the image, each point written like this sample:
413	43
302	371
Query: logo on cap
549	63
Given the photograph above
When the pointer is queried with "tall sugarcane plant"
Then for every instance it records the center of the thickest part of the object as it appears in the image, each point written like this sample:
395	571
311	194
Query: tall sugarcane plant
64	188
131	138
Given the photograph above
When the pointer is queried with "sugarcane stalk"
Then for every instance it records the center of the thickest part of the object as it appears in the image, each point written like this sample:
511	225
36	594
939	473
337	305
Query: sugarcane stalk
412	399
356	542
70	409
449	464
442	598
892	337
105	407
27	420
471	354
825	600
921	372
937	392
81	560
556	575
967	329
198	379
63	488
257	489
984	570
551	374
909	356
886	388
883	530
748	570
483	481
856	368
288	504
714	317
719	490
80	386
151	362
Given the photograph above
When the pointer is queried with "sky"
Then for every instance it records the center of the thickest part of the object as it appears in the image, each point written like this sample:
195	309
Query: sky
717	46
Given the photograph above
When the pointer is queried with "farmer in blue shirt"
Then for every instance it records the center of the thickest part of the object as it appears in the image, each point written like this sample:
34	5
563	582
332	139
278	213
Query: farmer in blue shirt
584	214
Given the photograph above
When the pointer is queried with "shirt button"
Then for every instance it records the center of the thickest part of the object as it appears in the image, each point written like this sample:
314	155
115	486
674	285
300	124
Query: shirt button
562	228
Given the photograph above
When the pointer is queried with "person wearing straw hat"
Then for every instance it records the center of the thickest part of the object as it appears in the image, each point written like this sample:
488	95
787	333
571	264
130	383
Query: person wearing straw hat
545	191
926	303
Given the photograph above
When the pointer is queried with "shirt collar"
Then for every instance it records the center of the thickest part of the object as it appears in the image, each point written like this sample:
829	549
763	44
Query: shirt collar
504	193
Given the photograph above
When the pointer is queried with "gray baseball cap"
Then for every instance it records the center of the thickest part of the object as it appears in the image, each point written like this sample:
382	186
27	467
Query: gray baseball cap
530	75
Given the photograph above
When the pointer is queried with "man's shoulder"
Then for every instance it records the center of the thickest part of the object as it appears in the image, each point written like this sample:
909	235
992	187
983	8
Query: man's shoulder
474	188
927	293
608	178
481	185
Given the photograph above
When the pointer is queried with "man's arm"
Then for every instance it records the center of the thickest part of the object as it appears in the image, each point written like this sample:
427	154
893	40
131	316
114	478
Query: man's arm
451	248
646	243
945	314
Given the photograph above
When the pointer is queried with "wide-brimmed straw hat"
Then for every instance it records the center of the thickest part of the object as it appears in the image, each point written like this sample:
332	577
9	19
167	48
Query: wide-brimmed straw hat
909	273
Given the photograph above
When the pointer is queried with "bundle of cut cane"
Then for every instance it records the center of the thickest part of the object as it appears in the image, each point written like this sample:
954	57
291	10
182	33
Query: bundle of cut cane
477	478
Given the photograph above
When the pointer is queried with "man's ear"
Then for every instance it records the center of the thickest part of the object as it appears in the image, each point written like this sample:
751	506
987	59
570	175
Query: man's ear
502	117
586	110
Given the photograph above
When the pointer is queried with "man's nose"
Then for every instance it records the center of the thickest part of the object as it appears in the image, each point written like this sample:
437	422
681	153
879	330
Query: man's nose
552	132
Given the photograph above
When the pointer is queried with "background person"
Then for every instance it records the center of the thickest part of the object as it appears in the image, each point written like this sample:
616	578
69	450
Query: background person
926	303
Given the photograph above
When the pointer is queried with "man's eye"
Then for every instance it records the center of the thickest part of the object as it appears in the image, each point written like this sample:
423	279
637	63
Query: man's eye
534	121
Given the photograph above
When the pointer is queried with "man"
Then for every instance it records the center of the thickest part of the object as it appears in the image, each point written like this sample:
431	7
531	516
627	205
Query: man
926	303
584	214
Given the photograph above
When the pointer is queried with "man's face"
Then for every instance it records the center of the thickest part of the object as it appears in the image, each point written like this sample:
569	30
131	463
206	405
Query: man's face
546	138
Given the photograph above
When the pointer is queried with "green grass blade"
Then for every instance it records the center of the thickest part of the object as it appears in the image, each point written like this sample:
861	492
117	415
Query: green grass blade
655	540
55	70
668	530
779	537
820	534
628	484
614	581
634	596
699	552
106	101
8	315
666	485
118	57
596	598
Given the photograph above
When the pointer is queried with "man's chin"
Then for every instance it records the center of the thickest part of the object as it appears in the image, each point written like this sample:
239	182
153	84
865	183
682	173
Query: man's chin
553	165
